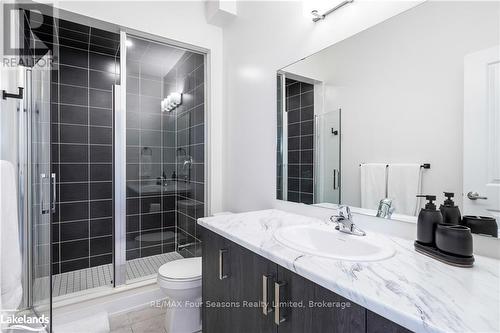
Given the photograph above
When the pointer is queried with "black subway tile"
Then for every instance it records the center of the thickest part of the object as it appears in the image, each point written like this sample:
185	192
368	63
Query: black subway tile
73	95
73	57
102	208
101	245
101	117
73	134
74	76
132	223
293	184
103	154
102	260
294	170
307	127
101	227
101	135
293	116
307	142
307	99
101	172
74	249
306	185
150	221
73	192
132	206
68	266
74	230
73	153
74	211
101	190
102	62
307	113
63	24
100	99
293	103
102	80
106	34
71	114
151	251
306	156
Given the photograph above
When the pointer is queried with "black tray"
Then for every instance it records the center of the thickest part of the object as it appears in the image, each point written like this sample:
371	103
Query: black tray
447	258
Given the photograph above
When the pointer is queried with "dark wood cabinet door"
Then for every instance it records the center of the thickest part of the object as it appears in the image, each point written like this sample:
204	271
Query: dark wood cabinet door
247	290
379	324
308	307
216	291
233	296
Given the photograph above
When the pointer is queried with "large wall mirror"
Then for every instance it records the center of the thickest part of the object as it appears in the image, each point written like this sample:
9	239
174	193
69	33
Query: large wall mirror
409	106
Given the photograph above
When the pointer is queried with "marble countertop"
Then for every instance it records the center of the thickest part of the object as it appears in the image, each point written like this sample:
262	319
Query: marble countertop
410	289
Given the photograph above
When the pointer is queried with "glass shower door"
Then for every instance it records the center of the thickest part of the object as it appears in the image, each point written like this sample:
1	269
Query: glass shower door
328	135
163	118
42	193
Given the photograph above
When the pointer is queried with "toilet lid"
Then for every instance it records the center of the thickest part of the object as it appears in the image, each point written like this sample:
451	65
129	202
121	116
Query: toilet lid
182	269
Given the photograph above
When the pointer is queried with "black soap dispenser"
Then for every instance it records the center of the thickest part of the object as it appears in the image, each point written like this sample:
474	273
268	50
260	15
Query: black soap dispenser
451	212
428	219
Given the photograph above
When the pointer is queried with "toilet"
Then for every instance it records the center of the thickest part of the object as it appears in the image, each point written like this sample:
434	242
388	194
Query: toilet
180	281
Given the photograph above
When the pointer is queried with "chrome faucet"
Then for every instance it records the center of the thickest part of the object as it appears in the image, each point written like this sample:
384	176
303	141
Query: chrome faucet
345	223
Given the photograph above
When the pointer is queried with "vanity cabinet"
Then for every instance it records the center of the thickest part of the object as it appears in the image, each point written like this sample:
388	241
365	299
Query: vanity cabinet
244	292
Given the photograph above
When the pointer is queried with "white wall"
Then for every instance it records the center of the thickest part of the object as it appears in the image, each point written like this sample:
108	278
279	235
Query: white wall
400	86
182	21
9	81
264	37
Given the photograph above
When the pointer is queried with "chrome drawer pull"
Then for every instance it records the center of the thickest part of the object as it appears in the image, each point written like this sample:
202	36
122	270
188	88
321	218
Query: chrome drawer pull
222	275
277	309
265	302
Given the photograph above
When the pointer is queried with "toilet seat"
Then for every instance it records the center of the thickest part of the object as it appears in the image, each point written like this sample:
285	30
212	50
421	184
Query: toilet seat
186	269
180	274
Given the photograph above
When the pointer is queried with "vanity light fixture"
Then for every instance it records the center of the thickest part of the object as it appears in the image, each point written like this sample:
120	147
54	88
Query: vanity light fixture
317	16
172	101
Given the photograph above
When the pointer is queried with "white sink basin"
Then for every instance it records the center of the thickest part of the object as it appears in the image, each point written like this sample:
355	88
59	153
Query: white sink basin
324	241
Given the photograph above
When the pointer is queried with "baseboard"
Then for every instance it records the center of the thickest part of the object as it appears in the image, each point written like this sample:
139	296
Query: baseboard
113	301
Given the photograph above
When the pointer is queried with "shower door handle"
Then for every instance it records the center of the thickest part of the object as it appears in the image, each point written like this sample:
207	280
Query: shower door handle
43	210
336	180
53	194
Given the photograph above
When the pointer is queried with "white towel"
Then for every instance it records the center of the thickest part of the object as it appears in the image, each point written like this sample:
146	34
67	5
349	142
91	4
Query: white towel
10	253
373	184
403	185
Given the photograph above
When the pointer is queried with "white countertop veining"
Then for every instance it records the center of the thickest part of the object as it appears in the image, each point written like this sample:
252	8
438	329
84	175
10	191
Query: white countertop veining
412	290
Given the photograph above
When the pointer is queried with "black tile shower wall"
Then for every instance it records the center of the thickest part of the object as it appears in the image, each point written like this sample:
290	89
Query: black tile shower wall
188	77
300	112
82	145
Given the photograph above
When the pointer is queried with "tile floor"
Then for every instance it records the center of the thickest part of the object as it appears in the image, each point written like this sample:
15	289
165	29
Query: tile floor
149	320
94	277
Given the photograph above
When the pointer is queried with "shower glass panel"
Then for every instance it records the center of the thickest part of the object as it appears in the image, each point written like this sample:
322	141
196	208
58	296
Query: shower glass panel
328	157
84	72
165	145
42	183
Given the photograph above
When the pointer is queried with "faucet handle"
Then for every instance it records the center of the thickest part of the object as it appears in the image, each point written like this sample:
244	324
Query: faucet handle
345	212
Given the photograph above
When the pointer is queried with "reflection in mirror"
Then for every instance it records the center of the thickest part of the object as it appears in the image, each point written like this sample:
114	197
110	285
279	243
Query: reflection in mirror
409	106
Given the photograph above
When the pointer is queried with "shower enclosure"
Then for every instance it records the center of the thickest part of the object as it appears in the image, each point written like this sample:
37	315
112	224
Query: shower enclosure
308	142
111	154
